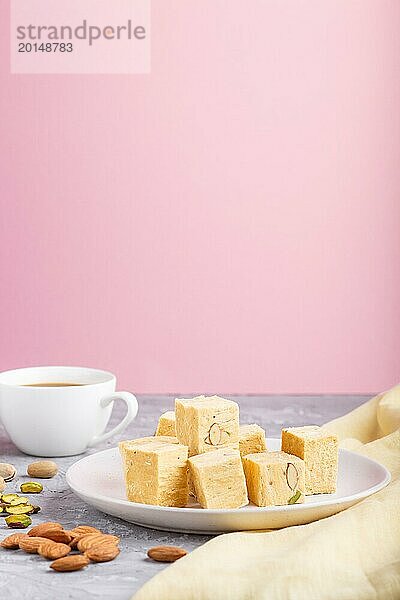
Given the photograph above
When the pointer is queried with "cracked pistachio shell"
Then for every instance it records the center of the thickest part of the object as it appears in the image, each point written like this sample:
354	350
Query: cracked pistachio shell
31	487
7	471
18	521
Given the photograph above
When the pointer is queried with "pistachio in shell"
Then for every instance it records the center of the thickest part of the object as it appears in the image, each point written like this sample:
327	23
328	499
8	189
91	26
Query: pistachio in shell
18	521
42	469
31	487
22	509
7	472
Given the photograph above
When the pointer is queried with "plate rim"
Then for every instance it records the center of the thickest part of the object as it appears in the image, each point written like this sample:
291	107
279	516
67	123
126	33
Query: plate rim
249	508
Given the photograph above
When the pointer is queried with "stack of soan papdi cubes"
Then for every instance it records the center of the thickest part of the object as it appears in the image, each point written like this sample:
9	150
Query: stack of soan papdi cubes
200	449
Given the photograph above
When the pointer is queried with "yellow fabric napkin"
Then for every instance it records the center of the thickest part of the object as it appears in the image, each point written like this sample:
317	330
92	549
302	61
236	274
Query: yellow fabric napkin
354	555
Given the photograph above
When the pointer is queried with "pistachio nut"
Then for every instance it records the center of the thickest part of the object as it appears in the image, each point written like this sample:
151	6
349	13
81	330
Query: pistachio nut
215	434
292	476
7	471
42	469
35	510
7	498
18	521
22	509
19	500
294	498
31	487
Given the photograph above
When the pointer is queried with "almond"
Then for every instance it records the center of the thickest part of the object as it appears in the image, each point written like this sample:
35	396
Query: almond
31	544
39	530
52	550
12	542
78	532
102	553
42	469
96	539
70	563
58	535
83	530
166	553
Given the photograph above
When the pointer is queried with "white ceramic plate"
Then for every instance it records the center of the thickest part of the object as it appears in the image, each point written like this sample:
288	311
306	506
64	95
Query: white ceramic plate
98	479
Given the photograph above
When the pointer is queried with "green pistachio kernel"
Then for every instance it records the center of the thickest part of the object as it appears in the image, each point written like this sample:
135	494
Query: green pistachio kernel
294	498
22	509
31	487
7	498
18	521
19	500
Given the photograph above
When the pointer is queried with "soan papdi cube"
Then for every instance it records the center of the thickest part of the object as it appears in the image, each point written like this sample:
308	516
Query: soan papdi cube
274	478
251	439
319	450
207	423
166	424
155	470
218	479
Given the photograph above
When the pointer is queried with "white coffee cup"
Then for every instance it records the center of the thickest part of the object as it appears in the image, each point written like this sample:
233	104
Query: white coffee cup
65	420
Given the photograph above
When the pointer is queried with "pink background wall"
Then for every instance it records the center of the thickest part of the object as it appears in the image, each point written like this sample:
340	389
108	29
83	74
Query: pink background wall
228	223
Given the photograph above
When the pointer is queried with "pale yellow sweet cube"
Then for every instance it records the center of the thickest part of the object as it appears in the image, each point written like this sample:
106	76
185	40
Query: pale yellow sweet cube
155	470
166	424
274	478
251	439
320	452
218	479
207	423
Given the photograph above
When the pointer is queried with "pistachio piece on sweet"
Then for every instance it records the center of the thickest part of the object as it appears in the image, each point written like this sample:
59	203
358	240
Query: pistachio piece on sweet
294	498
215	434
42	469
292	476
7	472
31	487
18	521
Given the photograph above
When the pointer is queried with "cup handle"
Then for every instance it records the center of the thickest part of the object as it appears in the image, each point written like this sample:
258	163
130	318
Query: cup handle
132	408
